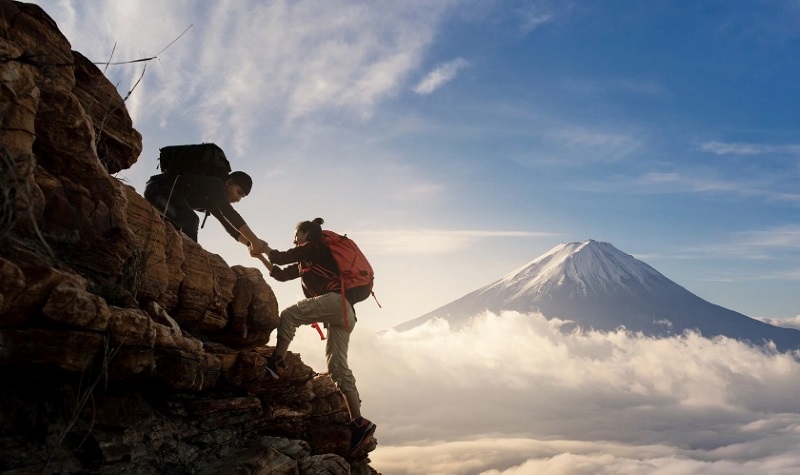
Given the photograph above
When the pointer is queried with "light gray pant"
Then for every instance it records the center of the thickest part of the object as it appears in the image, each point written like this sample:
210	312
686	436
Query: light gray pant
326	308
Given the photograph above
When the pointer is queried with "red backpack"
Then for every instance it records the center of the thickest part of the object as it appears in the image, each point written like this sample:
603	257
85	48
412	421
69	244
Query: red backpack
355	277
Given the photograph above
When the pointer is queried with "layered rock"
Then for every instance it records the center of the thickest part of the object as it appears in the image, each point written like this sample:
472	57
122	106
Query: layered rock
126	347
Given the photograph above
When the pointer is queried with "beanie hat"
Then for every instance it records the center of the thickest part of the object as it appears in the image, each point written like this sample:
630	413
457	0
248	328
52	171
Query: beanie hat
243	180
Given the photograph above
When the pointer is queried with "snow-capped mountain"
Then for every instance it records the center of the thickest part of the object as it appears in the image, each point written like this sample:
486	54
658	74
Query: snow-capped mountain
596	286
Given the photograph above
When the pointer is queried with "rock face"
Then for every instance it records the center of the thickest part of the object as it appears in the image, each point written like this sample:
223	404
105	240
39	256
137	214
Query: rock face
125	347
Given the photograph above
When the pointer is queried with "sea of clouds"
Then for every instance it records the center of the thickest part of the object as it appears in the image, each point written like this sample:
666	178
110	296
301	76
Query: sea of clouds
512	394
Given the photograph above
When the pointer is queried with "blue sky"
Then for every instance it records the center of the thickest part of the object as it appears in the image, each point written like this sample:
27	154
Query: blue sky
458	140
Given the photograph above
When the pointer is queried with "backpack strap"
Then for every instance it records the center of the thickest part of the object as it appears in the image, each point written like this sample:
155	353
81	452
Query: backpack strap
316	327
323	272
169	198
376	298
205	218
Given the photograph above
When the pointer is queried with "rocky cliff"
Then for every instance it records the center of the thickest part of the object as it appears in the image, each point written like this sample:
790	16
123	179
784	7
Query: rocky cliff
125	347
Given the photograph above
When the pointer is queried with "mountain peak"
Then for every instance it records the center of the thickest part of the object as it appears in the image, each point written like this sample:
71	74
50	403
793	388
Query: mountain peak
596	286
589	266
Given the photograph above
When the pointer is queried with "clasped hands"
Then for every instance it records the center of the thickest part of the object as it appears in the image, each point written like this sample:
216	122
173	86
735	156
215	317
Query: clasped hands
258	247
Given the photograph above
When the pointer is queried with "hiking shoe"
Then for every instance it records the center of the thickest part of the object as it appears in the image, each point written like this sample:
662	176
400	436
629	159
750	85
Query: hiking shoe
275	366
360	430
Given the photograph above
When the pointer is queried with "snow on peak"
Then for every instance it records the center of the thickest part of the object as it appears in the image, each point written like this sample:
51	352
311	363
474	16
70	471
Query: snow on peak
590	266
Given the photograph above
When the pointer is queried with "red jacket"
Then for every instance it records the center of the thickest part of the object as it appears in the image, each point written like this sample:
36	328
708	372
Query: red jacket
308	254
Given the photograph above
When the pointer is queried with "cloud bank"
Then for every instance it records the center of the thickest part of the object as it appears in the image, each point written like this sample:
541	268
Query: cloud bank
511	394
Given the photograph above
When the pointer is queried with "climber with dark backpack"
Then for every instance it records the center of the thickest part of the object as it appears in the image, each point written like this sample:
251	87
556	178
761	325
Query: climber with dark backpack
335	275
198	177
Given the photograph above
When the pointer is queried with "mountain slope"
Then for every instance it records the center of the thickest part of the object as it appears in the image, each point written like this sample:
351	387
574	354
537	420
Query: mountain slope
599	287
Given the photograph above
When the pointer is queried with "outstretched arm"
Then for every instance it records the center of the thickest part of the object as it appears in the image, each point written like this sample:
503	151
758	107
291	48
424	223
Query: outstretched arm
249	238
266	263
278	273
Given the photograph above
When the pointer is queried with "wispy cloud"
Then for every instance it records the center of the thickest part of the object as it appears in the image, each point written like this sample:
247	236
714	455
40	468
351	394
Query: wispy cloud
301	61
793	322
682	182
777	244
433	241
643	87
532	21
440	76
595	87
738	148
567	145
608	142
267	63
535	14
109	31
513	391
786	237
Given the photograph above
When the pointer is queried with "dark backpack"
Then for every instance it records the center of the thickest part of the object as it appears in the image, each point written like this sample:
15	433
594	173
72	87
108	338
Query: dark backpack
355	277
197	159
200	159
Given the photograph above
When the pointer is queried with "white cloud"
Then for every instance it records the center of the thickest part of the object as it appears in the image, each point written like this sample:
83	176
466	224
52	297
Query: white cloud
678	181
534	14
118	32
598	87
644	87
787	237
674	182
250	63
299	60
512	394
532	21
793	322
775	243
440	76
738	148
570	145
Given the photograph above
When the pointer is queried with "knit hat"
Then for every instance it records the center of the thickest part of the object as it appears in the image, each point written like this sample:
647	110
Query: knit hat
243	180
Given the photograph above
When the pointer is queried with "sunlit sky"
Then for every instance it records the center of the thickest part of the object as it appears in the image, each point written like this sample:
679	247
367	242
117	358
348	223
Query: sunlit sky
458	140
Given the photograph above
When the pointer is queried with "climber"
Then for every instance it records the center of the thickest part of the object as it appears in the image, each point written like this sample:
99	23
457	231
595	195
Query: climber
178	199
321	305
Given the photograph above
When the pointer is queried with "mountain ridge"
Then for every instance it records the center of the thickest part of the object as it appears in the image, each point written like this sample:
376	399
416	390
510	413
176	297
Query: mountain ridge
596	286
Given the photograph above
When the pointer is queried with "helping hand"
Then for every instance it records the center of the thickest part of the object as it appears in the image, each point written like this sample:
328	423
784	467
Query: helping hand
259	246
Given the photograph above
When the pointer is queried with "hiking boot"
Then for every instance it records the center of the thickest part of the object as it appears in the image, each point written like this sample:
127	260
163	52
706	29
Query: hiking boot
360	430
275	366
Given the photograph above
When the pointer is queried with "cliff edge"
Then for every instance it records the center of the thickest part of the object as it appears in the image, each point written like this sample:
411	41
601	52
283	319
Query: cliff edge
125	347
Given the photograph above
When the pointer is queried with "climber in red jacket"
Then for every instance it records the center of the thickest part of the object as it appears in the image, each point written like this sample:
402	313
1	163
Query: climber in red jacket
321	305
